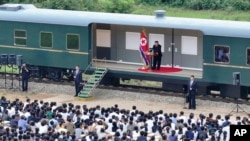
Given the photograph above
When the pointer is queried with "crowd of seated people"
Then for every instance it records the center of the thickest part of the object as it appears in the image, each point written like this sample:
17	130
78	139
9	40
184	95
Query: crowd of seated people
44	121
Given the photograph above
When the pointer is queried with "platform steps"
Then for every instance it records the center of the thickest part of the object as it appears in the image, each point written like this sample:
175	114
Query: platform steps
92	82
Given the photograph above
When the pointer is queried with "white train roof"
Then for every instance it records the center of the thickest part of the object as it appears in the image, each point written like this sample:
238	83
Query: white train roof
29	13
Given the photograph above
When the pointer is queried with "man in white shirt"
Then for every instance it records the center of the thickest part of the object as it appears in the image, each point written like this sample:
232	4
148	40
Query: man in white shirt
11	111
98	111
150	123
184	118
226	131
85	115
27	114
26	103
43	128
133	110
161	115
113	114
237	121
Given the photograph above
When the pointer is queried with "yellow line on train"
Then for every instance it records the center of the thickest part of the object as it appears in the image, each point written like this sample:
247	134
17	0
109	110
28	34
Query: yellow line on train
226	66
42	49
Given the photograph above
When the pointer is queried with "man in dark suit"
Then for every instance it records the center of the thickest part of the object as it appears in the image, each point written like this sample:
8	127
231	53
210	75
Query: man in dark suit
25	77
78	80
192	89
157	55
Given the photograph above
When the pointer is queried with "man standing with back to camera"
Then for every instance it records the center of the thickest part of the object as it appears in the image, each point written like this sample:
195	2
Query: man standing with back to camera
78	80
157	56
25	77
192	88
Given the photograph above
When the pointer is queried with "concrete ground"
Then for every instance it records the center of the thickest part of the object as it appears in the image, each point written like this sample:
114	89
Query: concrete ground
143	101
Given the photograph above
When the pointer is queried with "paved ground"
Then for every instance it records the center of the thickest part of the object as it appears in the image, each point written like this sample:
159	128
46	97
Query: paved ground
143	101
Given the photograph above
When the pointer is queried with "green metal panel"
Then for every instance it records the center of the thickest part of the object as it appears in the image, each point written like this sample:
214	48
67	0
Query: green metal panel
237	49
50	59
58	56
33	34
224	75
220	72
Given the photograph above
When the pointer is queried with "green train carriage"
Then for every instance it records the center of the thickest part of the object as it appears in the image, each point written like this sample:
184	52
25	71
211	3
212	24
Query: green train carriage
52	49
80	37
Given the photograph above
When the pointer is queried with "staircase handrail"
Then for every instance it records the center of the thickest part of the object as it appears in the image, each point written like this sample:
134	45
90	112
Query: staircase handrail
101	61
86	69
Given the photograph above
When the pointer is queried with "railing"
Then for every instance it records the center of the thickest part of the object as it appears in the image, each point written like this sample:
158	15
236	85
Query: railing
99	62
89	65
103	61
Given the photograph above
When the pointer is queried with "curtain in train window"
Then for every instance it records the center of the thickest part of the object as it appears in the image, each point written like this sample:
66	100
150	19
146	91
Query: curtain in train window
248	56
221	54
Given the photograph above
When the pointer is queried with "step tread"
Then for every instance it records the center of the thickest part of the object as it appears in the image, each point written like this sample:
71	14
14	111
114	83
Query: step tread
84	93
101	69
84	96
87	89
89	85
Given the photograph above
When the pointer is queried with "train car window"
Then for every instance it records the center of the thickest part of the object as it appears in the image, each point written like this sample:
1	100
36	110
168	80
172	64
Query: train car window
20	37
46	39
221	54
73	42
248	56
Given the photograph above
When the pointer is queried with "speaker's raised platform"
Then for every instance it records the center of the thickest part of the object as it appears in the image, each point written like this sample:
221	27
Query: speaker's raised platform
161	70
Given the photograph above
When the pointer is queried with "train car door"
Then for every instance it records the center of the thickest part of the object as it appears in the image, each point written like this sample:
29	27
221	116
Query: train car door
187	48
103	41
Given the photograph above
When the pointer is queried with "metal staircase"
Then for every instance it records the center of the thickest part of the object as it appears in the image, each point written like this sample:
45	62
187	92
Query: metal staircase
92	82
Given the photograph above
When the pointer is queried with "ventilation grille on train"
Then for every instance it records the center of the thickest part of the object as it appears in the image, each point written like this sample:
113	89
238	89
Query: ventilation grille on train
160	13
16	7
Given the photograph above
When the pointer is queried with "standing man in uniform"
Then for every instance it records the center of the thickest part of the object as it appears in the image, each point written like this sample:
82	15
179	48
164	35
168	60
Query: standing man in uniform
25	77
78	80
192	89
157	56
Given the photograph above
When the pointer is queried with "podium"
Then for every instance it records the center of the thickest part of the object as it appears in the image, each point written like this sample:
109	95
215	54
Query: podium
150	55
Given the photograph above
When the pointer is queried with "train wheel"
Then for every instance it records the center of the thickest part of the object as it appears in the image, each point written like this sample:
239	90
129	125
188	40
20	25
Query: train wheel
55	75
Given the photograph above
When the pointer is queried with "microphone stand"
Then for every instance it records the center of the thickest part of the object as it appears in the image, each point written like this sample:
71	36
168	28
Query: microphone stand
184	97
0	66
19	77
5	82
12	77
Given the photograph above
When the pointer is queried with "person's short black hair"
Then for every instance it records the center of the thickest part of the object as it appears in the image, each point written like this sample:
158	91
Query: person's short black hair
134	107
142	133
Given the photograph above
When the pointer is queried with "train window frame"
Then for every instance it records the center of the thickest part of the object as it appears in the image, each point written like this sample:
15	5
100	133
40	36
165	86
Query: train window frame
16	37
214	58
248	48
52	37
78	41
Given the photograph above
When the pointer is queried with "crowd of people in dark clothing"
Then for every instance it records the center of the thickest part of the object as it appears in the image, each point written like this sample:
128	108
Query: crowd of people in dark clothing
39	120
